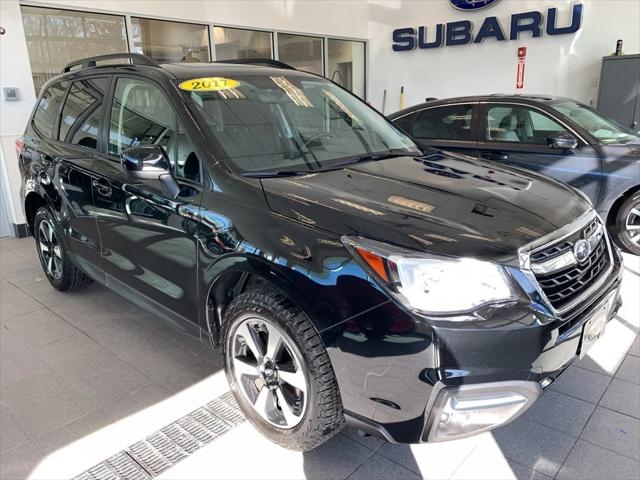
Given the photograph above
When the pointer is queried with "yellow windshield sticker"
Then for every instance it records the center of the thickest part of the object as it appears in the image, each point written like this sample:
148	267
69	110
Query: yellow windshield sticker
208	84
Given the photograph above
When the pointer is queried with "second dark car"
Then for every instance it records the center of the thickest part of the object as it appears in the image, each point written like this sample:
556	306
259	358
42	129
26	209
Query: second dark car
558	137
271	212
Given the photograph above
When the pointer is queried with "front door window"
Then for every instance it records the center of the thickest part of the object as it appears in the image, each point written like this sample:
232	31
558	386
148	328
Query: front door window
519	124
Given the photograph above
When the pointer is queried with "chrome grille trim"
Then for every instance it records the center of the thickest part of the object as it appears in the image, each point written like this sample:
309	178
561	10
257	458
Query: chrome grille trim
556	237
567	259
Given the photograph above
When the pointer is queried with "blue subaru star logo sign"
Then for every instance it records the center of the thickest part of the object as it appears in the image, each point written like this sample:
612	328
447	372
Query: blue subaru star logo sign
468	5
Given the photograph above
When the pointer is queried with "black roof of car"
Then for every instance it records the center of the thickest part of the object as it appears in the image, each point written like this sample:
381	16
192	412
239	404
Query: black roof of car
527	99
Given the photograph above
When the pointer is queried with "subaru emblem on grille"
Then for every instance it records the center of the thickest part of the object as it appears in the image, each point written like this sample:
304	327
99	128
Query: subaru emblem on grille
581	250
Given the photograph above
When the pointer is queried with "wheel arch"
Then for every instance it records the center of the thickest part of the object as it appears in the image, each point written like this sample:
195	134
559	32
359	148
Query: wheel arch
32	202
617	203
237	273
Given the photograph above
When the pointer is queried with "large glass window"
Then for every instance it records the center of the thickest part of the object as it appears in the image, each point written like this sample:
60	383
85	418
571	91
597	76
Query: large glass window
56	37
292	122
507	123
302	52
142	115
82	112
603	128
446	123
232	43
346	64
46	115
168	42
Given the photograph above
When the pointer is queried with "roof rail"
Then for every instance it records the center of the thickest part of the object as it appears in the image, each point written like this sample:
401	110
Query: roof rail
266	62
135	59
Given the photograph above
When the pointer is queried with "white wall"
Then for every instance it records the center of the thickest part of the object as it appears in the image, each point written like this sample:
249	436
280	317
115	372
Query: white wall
564	65
561	65
16	72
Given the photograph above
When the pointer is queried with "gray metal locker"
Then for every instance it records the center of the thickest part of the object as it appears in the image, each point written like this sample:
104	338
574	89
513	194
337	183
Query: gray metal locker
619	90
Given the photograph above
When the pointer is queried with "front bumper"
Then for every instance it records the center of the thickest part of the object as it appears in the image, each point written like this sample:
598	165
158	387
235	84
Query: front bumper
398	373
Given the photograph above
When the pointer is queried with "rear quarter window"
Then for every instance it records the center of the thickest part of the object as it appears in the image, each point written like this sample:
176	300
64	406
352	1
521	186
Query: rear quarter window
45	117
405	123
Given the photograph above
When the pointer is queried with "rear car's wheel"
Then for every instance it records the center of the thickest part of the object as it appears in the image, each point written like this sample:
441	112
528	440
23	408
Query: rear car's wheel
279	370
628	224
57	266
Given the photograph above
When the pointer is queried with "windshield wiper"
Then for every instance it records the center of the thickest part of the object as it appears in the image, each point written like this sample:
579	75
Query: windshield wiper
277	173
375	156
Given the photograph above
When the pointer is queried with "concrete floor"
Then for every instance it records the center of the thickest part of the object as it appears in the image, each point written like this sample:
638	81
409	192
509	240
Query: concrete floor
84	375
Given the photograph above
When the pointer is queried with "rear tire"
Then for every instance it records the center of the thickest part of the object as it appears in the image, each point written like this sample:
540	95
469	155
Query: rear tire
312	411
53	254
627	225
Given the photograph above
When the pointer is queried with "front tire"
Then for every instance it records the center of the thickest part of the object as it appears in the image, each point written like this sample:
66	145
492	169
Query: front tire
627	224
279	370
53	254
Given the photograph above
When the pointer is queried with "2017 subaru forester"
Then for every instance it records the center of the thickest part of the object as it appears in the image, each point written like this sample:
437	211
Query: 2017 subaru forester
345	274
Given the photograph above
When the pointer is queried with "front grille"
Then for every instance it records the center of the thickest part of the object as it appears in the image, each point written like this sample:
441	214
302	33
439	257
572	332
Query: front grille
550	252
563	286
555	250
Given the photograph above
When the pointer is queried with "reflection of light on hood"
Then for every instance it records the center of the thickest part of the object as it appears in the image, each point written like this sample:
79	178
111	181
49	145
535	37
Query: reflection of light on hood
529	232
357	206
440	237
333	243
421	240
303	218
412	204
296	95
478	237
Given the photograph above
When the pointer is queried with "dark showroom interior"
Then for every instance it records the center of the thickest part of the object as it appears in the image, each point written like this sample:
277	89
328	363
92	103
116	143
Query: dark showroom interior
320	239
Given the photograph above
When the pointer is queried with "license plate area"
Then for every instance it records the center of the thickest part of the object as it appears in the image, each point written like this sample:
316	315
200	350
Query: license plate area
594	328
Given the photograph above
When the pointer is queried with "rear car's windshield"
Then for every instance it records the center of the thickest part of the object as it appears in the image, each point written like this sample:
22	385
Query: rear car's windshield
293	123
606	130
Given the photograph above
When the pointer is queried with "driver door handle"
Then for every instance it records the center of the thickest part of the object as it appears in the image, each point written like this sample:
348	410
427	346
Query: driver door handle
500	157
102	186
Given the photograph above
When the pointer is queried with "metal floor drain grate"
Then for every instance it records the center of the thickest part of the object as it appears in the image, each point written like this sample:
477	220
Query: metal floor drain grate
163	449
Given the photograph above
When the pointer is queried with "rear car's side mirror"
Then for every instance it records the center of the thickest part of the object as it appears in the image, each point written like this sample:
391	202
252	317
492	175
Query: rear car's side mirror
562	140
150	162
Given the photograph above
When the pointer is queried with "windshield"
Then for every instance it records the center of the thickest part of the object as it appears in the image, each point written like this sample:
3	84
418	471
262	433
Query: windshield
294	123
606	130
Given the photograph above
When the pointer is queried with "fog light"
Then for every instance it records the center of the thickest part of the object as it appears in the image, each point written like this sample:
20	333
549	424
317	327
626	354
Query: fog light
469	409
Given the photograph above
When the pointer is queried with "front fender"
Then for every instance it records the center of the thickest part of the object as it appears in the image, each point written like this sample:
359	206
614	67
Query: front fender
340	291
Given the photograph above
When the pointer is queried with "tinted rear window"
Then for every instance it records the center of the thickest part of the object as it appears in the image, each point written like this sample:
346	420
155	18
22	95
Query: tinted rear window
82	112
45	117
446	123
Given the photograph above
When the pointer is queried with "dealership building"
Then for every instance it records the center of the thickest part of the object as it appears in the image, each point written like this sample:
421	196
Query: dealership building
94	387
351	42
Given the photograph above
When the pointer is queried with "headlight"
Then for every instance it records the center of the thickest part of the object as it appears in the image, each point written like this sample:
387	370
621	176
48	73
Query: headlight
432	284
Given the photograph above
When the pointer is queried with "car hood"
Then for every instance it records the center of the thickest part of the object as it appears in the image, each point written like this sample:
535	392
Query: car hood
443	203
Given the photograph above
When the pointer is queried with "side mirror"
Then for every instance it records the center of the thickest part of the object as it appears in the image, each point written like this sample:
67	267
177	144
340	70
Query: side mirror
146	162
150	162
562	140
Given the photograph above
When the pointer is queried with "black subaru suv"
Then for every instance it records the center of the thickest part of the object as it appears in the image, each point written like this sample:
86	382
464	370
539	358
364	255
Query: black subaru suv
346	274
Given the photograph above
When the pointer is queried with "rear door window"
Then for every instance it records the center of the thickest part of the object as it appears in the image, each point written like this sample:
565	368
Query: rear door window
83	111
45	117
444	123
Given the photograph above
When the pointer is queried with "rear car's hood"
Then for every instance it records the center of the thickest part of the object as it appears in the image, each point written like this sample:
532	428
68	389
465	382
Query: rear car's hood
440	203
